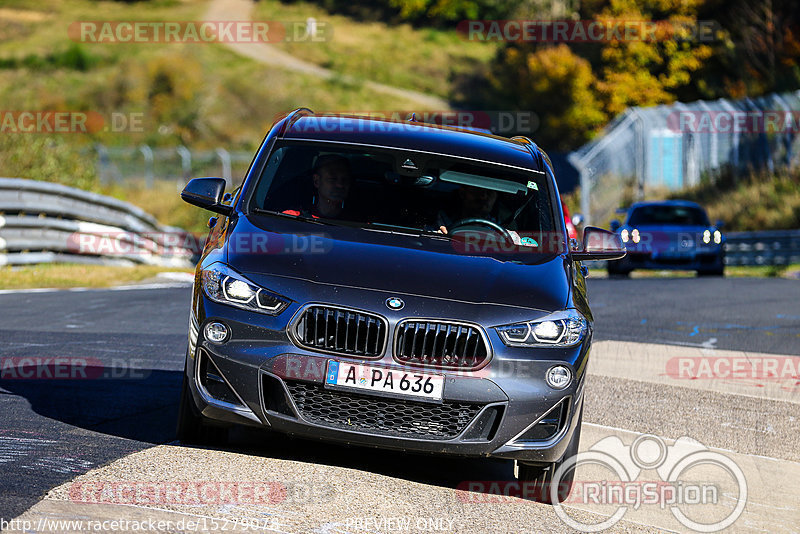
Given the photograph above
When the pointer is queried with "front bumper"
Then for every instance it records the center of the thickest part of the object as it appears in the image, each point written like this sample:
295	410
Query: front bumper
484	413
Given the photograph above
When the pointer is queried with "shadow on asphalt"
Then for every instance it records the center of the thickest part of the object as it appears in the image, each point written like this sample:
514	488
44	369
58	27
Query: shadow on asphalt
144	407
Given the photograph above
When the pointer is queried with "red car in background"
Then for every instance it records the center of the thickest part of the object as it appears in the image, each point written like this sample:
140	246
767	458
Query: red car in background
571	230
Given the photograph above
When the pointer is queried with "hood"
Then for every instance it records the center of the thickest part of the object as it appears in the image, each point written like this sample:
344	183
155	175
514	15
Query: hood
401	264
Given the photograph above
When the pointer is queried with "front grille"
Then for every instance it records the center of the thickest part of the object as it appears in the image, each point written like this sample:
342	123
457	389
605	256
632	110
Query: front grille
341	330
444	345
379	415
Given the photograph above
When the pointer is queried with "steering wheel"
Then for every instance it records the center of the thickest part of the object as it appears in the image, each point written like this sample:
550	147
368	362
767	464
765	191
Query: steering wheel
481	222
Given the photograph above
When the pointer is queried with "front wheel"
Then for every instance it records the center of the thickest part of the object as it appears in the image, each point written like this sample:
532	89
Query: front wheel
541	475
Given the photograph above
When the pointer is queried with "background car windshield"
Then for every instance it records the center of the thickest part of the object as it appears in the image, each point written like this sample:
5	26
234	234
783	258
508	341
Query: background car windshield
668	215
408	189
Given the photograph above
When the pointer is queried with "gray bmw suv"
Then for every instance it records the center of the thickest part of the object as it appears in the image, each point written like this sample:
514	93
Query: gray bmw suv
397	285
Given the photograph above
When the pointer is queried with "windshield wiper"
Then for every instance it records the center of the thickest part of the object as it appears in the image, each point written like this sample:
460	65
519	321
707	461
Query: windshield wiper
403	230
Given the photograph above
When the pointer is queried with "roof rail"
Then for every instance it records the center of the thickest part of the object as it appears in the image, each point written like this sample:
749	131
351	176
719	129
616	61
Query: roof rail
537	153
523	139
292	117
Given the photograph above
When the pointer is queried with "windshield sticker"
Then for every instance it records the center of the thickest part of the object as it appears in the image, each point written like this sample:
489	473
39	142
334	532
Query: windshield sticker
532	185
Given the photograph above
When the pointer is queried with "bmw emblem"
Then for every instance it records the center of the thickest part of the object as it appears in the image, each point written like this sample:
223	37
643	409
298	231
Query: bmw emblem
395	303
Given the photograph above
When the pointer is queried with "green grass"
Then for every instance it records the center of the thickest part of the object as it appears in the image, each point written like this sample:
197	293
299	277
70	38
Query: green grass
757	201
751	202
423	59
199	95
62	276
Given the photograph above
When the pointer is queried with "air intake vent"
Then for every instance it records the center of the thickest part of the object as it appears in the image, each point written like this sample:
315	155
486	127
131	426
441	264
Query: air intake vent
443	345
342	331
211	380
379	415
548	426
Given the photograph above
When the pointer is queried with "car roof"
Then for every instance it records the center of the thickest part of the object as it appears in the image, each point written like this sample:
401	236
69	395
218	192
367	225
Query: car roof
677	203
410	135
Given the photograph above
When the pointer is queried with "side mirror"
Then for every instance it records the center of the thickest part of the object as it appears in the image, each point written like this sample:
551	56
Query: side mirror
719	224
599	244
615	224
206	193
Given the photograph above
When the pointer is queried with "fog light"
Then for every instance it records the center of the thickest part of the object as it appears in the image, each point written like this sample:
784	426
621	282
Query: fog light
558	377
216	332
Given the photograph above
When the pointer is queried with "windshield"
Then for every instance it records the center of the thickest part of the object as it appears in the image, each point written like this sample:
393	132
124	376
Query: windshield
668	215
398	190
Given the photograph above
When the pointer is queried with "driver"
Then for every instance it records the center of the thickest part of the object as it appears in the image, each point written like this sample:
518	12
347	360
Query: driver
473	203
477	203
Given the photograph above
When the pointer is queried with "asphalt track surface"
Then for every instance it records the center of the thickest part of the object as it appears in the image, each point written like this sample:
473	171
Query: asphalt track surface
52	431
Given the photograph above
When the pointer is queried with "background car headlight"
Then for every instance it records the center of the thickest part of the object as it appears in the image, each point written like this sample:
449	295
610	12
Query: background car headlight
224	285
560	329
717	237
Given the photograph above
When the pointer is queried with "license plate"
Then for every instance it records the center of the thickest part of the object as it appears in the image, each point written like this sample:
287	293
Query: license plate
384	380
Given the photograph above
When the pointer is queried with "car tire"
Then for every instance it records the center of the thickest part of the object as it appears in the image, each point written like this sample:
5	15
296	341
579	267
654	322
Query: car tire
542	474
613	273
712	272
192	428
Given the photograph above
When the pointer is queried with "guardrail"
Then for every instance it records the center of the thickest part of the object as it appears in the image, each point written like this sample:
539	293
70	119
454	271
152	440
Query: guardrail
42	222
778	247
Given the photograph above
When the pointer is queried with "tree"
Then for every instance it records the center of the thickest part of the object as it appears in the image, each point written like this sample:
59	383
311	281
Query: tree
554	83
652	68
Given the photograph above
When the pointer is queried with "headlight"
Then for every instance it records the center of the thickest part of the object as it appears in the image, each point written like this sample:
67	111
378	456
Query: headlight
717	237
560	329
707	236
624	235
224	285
635	235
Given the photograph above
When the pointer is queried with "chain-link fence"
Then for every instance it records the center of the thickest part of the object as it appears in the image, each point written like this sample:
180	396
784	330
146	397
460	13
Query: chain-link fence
667	148
145	164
